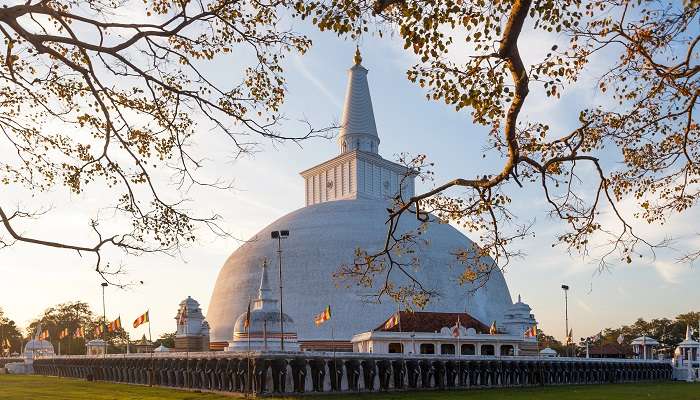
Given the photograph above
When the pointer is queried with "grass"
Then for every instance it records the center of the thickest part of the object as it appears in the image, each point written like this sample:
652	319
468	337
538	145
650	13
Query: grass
14	387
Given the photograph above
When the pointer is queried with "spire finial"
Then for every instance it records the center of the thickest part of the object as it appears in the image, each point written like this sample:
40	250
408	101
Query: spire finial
264	284
358	56
519	300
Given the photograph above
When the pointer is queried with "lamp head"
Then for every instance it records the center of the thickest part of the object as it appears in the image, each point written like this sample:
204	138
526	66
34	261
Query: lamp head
280	234
565	287
105	284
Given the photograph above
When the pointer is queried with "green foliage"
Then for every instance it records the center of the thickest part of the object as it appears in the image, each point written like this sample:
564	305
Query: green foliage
9	331
69	315
545	341
668	332
167	340
93	96
638	140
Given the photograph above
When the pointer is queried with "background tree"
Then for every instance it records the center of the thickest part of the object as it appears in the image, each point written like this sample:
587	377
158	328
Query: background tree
545	341
69	315
167	340
668	332
638	143
99	96
10	331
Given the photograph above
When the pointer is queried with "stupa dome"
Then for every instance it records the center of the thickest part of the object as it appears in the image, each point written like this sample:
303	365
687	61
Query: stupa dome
322	238
37	348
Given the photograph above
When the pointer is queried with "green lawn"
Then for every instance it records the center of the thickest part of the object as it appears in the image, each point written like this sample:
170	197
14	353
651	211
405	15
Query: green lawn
13	387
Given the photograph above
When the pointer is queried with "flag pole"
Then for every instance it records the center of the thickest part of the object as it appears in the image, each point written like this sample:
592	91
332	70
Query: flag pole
148	313
398	315
248	382
458	352
150	339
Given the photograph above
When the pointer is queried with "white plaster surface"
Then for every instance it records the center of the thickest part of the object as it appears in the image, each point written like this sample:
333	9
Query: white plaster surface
322	238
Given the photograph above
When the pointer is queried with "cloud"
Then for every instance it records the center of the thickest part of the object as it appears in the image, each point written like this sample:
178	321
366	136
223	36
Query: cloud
306	73
671	272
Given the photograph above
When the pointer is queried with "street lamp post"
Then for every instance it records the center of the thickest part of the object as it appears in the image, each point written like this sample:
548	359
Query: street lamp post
104	320
279	235
565	288
104	312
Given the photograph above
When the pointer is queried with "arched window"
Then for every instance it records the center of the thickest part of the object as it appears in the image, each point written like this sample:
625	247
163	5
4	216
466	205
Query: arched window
468	349
507	350
447	348
427	348
395	348
487	350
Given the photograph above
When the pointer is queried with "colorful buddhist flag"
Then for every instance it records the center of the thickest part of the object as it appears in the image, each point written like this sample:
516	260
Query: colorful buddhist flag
63	334
79	332
392	322
99	330
246	323
141	319
182	317
44	335
115	325
6	343
531	331
570	336
324	316
493	330
455	329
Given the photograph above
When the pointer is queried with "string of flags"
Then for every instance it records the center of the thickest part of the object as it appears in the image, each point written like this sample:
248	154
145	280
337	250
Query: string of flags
100	328
63	333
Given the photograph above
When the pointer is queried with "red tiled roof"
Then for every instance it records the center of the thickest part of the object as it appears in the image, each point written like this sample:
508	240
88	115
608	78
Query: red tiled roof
432	322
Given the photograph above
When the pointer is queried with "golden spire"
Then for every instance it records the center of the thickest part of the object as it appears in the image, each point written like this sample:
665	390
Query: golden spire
358	56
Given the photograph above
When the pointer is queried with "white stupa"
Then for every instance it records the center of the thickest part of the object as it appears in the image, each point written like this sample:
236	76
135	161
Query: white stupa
265	330
192	329
346	208
38	348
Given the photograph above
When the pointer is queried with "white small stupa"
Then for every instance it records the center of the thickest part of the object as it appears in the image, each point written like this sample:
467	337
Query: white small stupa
518	318
192	329
265	330
38	347
687	349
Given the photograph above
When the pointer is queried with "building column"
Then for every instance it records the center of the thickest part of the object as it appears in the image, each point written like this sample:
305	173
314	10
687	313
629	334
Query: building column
516	350
497	349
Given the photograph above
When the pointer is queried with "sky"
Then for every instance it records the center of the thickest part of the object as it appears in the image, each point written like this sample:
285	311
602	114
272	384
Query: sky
267	186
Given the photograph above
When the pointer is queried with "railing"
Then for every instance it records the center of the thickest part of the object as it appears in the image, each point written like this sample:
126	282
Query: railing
6	360
275	372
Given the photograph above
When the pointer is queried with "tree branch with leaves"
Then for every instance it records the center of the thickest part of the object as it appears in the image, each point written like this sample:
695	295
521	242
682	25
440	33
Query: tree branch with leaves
648	52
103	95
